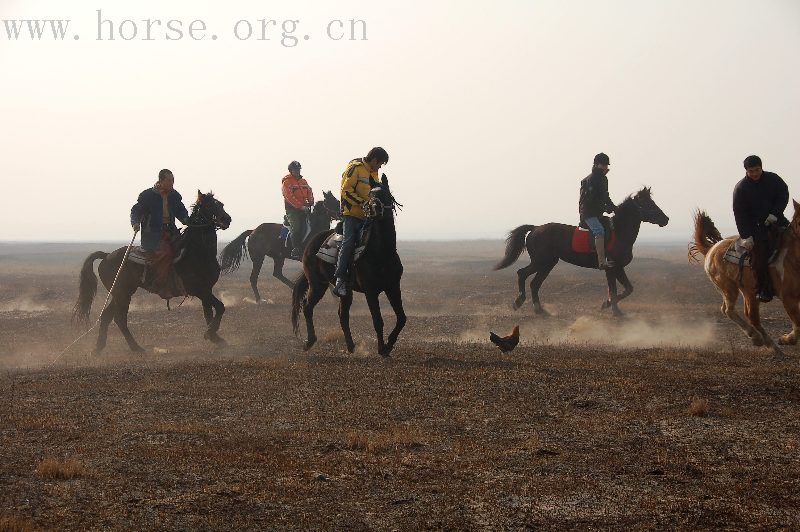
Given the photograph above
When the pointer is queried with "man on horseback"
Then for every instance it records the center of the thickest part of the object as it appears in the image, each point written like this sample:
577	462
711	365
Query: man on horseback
594	201
154	213
298	198
759	200
358	180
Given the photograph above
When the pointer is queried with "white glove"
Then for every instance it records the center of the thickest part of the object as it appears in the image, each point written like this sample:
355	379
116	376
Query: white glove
771	219
747	243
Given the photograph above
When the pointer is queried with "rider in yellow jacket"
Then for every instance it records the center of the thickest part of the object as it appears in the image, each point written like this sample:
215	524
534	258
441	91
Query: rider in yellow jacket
357	181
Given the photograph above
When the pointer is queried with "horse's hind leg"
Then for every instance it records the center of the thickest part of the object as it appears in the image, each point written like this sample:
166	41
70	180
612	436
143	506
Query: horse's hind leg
105	320
277	271
121	306
541	274
730	294
315	294
522	276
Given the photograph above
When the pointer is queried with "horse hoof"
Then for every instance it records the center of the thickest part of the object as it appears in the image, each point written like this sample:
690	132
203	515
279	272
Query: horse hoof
138	349
219	341
387	349
618	313
605	304
351	348
539	311
309	344
757	340
787	339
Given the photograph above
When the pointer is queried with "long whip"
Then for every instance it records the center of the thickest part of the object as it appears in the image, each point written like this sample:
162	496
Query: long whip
87	331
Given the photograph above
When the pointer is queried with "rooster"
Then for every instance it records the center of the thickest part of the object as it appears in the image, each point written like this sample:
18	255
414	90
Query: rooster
507	343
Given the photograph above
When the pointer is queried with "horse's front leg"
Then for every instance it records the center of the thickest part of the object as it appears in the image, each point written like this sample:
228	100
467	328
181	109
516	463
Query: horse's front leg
627	286
213	309
791	303
613	299
377	319
344	320
396	300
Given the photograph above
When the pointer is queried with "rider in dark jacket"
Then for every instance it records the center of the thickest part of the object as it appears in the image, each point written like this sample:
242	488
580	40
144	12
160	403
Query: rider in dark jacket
594	201
759	200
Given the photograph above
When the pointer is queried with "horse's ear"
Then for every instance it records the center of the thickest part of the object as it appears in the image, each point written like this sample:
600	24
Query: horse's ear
199	195
796	206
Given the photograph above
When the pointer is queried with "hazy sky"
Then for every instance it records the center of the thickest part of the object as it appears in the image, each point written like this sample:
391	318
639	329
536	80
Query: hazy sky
491	111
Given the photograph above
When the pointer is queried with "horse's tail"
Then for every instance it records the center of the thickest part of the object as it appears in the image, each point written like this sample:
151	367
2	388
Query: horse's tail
515	243
706	235
232	254
298	296
87	288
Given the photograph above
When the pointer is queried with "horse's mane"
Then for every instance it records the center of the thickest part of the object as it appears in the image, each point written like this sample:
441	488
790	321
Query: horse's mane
197	203
644	191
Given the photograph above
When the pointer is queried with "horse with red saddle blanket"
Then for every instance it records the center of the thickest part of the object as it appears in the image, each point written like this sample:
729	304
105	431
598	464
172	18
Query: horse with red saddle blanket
549	243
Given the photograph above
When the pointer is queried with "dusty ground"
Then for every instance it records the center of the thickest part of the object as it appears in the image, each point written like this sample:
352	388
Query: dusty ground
587	424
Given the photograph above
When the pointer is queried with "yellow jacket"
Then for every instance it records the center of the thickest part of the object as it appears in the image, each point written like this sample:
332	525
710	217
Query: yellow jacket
357	181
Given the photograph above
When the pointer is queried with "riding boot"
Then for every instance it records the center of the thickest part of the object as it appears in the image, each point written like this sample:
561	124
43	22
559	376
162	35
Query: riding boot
600	247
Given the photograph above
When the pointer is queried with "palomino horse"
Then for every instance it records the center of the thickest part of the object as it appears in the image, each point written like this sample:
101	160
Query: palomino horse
378	270
198	270
549	243
264	241
725	275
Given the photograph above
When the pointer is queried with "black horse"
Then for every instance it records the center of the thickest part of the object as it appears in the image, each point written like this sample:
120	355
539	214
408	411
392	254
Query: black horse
378	270
265	241
549	243
198	270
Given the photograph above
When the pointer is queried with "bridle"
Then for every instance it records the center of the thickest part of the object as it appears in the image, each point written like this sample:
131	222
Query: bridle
203	219
646	213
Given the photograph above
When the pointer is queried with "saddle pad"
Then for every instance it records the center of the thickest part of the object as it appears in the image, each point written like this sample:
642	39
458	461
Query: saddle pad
580	241
137	255
734	254
329	250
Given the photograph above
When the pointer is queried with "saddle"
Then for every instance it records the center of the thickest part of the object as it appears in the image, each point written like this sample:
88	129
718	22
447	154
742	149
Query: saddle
329	250
286	233
159	275
741	256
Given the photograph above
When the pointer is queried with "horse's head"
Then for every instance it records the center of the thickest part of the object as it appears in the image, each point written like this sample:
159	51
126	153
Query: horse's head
381	202
209	210
648	210
330	205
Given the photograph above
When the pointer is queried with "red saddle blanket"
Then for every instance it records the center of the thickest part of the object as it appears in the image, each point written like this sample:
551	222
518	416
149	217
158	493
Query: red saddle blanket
580	241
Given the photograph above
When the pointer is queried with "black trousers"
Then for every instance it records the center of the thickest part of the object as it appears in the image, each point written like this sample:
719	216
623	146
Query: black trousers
759	259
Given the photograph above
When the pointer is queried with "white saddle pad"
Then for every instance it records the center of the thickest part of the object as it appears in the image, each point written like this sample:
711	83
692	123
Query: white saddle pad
329	250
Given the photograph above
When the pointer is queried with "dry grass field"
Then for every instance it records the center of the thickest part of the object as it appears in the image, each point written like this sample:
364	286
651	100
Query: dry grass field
666	418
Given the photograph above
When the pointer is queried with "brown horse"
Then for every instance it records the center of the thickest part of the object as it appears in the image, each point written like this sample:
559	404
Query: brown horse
265	241
549	243
378	270
198	269
785	274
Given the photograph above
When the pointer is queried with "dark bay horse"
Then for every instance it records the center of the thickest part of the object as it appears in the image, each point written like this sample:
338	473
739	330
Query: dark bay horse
264	241
198	269
549	243
378	270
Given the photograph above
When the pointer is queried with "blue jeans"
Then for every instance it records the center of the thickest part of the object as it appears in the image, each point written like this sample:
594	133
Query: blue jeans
351	229
595	226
